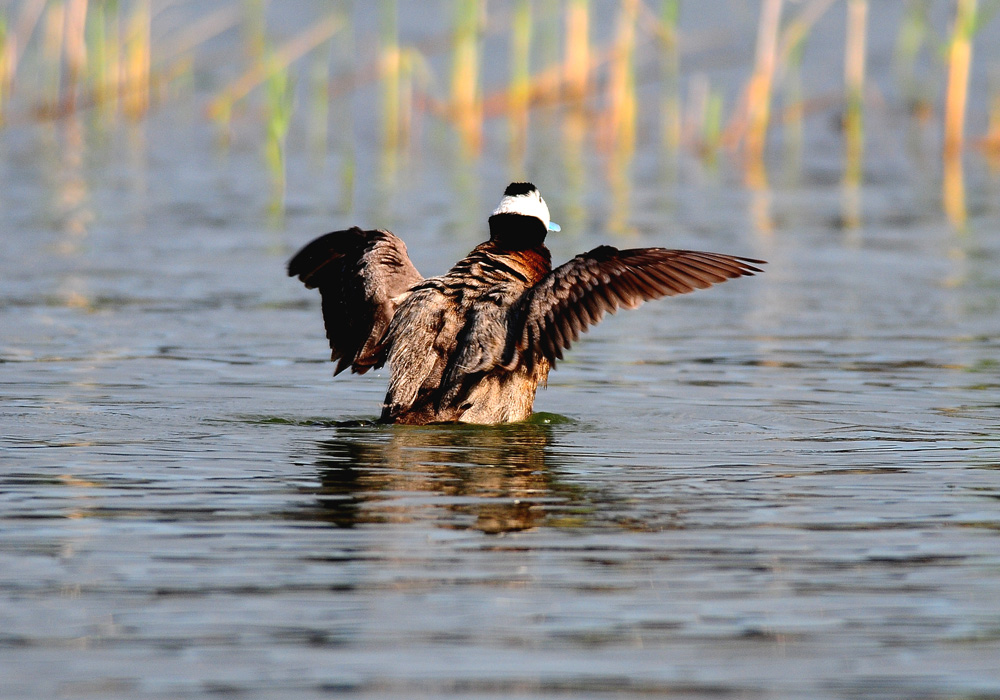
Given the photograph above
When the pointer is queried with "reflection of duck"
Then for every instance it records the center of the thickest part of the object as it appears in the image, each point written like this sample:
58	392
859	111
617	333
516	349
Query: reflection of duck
472	345
491	478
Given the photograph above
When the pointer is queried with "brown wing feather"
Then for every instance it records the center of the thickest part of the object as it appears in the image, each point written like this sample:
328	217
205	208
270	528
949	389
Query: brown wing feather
552	314
359	274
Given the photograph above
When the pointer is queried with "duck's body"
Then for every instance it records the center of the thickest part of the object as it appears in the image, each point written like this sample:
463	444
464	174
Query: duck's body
472	345
447	339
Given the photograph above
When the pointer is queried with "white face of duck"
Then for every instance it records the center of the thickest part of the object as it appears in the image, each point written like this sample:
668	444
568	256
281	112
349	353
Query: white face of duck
523	198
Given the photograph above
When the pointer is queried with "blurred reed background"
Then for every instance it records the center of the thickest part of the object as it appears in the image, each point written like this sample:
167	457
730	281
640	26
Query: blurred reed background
115	61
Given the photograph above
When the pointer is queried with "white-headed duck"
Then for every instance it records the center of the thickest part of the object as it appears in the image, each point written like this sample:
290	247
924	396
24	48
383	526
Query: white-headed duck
472	345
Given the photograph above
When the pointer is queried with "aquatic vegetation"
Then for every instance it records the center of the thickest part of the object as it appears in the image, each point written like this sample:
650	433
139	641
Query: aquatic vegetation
603	68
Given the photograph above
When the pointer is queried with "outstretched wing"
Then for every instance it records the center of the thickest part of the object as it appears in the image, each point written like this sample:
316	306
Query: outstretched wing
361	276
576	295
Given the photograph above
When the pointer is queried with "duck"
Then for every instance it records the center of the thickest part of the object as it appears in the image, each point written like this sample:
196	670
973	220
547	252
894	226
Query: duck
473	345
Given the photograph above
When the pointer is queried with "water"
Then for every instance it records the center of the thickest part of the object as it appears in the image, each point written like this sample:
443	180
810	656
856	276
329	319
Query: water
787	486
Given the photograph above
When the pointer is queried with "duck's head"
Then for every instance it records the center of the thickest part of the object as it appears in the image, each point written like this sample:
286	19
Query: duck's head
522	217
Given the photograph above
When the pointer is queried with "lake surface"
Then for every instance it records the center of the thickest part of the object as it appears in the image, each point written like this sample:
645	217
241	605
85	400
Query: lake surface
787	486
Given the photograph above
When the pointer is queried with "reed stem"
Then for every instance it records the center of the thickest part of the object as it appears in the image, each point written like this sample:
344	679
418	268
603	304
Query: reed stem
389	65
576	66
319	109
758	98
671	67
466	105
854	87
519	94
911	38
959	63
619	128
953	190
991	141
75	50
6	56
55	33
137	61
280	98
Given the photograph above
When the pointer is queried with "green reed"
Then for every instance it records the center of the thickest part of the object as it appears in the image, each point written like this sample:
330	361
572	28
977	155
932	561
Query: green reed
104	58
794	37
343	53
711	125
389	58
53	28
854	88
466	104
319	107
912	37
670	66
280	96
519	92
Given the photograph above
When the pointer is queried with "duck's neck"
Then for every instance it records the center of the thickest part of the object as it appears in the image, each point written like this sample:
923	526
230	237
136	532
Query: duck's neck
517	231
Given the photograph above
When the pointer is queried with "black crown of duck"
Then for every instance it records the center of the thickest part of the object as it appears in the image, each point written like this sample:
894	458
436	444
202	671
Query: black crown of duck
472	345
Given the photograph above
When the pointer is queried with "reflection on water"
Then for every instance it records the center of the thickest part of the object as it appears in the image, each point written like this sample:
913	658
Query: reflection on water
488	478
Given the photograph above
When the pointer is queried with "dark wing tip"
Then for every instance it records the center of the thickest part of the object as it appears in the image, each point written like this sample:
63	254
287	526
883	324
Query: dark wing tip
358	273
314	256
720	264
749	265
